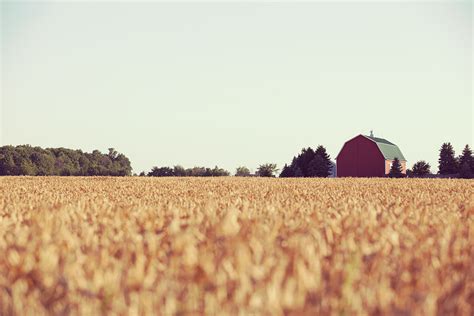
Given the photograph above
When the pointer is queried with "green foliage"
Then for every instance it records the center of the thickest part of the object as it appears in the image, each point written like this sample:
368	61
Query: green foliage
27	160
196	172
179	171
161	172
27	168
8	161
309	163
447	162
121	166
112	154
420	169
242	172
218	172
267	170
396	169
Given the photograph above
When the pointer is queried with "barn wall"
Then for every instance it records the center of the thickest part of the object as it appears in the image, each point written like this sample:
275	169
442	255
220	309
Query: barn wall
360	157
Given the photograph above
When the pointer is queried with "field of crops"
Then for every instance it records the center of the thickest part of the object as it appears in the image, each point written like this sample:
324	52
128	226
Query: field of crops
236	246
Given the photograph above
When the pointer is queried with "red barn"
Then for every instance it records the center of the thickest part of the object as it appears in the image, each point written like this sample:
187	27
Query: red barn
367	156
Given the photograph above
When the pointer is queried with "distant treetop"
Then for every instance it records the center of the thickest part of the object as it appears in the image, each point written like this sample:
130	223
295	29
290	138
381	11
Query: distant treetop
36	161
309	163
179	171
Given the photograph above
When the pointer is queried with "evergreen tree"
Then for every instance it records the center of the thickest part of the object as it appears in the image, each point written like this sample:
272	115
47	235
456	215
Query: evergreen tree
325	169
465	171
303	161
298	173
447	162
466	162
466	156
287	172
396	169
420	169
317	167
309	163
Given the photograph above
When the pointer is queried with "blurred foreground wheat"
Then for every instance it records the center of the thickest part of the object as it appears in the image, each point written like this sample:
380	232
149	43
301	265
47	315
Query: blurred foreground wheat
230	246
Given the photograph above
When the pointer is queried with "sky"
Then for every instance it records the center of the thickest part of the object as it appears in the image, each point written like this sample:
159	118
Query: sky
235	84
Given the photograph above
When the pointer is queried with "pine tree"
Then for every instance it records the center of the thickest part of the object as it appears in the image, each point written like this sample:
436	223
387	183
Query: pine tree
466	163
325	169
317	167
287	172
298	173
447	162
396	169
466	156
303	161
309	163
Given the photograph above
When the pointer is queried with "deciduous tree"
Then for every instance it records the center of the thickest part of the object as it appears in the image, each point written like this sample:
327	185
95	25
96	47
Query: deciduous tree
242	172
420	169
267	170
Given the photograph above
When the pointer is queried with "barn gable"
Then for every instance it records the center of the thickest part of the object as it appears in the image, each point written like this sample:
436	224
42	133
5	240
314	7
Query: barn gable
389	150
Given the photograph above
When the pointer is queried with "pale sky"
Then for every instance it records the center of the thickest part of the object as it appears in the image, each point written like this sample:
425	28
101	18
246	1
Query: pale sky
236	83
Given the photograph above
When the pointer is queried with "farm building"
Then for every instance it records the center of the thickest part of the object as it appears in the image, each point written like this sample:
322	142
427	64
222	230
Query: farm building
368	156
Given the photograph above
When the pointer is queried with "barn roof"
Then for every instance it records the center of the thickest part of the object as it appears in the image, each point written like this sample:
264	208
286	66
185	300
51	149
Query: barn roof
388	149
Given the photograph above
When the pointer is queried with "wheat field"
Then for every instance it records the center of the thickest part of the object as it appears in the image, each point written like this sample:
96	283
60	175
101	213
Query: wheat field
236	246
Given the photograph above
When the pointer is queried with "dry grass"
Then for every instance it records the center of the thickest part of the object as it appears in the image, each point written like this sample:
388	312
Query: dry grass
134	246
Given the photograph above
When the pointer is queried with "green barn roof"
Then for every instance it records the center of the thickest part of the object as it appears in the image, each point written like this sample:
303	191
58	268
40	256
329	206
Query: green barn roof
388	149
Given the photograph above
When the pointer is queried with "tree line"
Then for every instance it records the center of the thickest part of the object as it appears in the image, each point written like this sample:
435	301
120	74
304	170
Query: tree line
28	160
317	163
264	170
448	165
461	166
36	161
309	163
179	171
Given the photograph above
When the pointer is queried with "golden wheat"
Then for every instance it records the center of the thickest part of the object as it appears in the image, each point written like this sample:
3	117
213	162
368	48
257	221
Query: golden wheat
235	246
